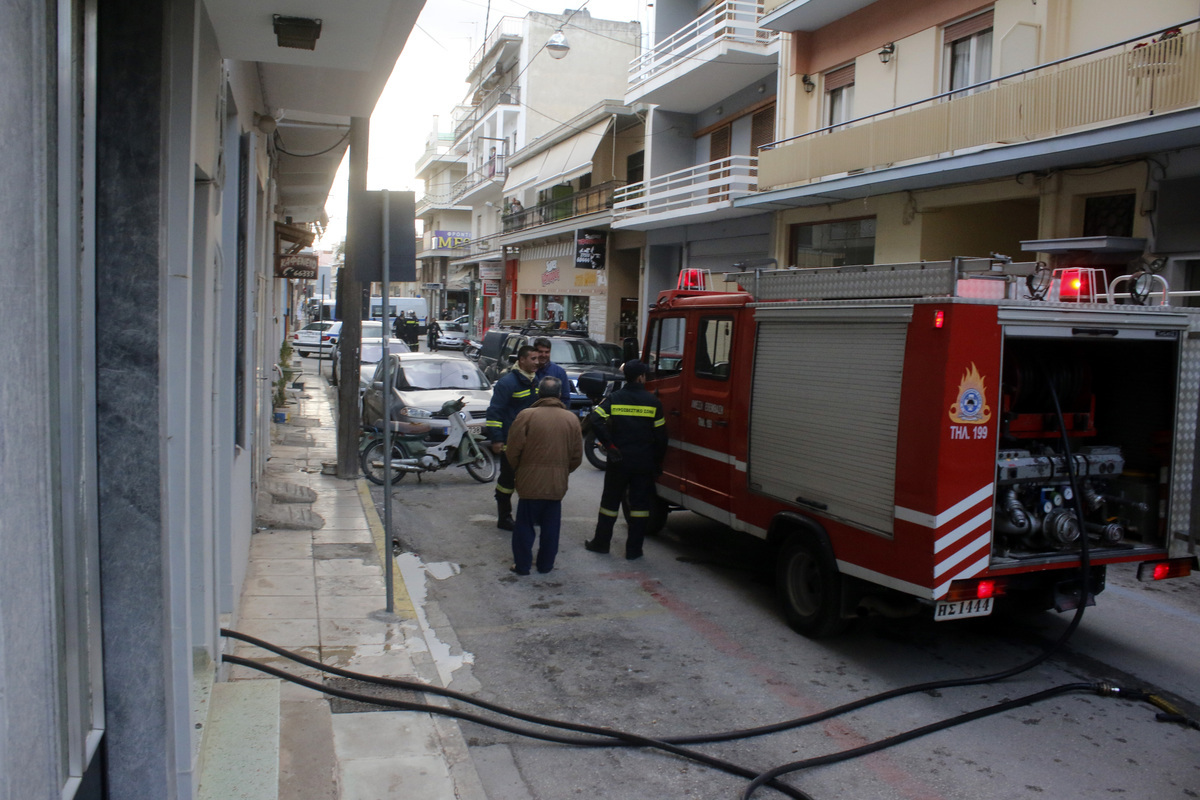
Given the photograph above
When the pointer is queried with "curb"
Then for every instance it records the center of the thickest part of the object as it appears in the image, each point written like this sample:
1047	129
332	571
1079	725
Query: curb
402	605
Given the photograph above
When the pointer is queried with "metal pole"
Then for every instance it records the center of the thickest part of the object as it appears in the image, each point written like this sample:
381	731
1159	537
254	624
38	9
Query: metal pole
321	331
387	418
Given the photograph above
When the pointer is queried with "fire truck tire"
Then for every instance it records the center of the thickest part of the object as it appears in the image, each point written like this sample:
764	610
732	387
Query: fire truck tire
811	587
659	509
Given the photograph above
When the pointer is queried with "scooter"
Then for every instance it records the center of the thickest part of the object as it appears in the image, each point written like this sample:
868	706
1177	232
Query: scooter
410	452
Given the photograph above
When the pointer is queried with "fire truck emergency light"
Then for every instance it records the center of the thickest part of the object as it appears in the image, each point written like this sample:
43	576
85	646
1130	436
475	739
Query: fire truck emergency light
1078	284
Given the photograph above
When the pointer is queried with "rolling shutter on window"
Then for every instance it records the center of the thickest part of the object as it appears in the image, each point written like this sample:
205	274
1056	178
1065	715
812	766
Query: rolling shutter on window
718	144
968	27
842	76
762	129
826	410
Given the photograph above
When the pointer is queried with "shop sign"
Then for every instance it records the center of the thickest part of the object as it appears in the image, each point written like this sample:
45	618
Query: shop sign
491	288
589	249
434	286
491	272
296	265
450	239
550	274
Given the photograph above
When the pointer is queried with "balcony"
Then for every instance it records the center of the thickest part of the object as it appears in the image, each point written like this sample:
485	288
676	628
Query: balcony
715	55
491	173
702	193
1090	95
467	117
589	201
507	33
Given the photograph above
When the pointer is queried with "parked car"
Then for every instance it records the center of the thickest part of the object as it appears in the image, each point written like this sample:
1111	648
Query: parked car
453	336
571	350
369	356
316	337
423	383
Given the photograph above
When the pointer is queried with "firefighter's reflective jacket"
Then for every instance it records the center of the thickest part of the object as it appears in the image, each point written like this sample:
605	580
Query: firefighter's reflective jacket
631	422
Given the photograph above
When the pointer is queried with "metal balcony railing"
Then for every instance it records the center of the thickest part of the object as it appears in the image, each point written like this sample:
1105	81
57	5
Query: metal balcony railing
492	170
470	116
1117	83
695	188
588	201
508	27
735	21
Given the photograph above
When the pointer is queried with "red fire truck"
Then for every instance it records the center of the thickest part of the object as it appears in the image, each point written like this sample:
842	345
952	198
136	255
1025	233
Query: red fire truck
892	431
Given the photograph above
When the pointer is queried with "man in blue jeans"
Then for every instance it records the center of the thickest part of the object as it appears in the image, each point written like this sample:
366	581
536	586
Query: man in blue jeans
545	446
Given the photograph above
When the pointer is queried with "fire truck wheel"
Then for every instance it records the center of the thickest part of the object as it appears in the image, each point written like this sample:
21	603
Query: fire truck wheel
811	587
659	509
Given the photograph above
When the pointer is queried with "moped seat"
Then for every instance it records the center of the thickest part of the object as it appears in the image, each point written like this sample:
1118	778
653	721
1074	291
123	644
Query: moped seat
410	428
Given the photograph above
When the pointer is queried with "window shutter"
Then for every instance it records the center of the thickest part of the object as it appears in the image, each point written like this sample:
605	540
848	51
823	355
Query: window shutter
718	145
968	27
762	129
836	79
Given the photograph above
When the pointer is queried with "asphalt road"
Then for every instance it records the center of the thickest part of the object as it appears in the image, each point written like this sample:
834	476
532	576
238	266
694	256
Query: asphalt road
690	640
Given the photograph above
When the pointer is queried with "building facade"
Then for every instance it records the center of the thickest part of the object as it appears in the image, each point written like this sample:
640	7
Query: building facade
446	235
531	75
158	157
1064	131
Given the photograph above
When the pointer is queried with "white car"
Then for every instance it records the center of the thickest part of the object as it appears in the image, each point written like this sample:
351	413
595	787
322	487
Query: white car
423	383
369	354
315	337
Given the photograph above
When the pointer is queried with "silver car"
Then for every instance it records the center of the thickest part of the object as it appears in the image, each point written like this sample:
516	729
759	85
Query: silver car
423	383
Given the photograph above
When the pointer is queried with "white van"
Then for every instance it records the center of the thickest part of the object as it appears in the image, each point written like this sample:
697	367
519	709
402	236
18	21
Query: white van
402	305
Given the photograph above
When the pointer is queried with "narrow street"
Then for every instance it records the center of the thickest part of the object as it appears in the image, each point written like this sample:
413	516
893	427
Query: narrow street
689	640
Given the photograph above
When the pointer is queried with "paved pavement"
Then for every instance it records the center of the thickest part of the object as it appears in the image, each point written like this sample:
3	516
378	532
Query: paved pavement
315	585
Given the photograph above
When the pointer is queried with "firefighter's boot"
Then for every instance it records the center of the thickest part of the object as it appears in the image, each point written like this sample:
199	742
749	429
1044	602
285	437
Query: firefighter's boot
637	534
504	517
601	541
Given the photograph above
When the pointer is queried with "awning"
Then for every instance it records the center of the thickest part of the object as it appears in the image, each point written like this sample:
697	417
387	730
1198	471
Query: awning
567	159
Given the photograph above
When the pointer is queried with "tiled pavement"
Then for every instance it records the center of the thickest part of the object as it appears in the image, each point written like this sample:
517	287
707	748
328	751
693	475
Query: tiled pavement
320	592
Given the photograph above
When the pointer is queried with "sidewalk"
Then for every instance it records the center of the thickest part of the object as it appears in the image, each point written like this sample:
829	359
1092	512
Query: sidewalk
315	585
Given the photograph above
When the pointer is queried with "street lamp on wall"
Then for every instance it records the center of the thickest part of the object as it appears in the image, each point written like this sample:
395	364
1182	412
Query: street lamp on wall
886	53
809	85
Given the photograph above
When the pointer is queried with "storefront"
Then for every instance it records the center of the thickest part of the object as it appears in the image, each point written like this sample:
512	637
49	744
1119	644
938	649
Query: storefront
551	285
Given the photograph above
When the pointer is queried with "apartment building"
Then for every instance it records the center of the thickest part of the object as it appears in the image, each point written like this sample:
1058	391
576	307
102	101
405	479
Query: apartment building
909	130
558	198
712	78
446	234
531	75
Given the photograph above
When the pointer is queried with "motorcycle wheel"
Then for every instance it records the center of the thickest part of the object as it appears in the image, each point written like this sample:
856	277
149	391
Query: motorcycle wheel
483	469
371	462
595	453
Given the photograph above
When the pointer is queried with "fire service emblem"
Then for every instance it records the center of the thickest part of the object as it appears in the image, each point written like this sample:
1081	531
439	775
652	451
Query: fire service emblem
970	408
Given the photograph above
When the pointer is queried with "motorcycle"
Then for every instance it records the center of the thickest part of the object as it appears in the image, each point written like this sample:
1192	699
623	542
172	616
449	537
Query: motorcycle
411	453
596	388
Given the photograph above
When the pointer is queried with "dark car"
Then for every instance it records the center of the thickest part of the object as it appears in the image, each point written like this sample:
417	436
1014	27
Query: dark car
574	352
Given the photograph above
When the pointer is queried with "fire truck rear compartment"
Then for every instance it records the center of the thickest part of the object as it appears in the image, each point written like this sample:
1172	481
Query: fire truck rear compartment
1117	403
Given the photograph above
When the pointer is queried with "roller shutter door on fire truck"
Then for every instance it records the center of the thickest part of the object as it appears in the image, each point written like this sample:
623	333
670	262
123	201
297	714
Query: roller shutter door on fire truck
825	409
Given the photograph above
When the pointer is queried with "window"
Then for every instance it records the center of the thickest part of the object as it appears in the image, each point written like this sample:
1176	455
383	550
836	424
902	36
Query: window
713	348
1109	215
839	95
968	55
666	347
833	244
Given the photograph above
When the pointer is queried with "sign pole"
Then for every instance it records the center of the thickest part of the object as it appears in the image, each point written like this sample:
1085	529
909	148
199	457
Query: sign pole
387	416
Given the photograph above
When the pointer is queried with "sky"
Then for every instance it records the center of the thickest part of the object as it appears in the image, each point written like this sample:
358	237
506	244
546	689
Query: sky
430	80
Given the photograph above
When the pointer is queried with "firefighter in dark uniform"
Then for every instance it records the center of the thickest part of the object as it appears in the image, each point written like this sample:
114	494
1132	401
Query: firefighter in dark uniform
412	330
631	426
512	394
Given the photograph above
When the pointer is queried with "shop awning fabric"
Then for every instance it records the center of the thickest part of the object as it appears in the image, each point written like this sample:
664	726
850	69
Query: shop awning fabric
567	159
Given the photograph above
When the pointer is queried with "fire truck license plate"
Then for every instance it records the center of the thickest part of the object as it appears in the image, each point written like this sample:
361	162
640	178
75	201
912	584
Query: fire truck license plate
945	610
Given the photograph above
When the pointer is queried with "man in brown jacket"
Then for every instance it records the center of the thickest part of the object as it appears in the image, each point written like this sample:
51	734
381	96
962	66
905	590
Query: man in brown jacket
545	445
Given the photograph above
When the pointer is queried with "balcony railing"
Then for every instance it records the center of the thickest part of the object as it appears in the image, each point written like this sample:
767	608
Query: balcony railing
693	189
492	170
729	22
466	117
510	27
1089	90
588	201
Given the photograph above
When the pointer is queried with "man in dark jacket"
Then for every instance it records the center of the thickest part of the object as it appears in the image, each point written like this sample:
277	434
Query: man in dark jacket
631	426
412	331
511	395
546	367
545	446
